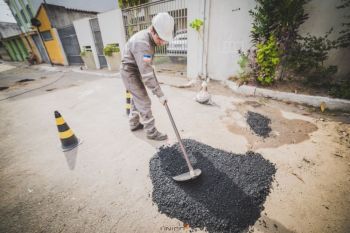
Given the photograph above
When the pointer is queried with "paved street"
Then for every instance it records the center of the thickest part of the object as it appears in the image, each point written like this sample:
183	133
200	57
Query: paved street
104	185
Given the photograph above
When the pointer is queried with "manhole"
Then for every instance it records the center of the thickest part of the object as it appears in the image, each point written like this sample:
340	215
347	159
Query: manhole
227	197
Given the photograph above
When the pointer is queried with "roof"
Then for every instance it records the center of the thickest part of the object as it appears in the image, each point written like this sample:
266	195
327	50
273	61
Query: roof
52	6
8	30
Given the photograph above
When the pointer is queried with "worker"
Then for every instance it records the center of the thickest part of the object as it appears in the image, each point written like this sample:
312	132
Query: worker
137	72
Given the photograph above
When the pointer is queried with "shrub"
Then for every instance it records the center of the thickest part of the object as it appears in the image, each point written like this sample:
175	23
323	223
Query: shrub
268	58
110	49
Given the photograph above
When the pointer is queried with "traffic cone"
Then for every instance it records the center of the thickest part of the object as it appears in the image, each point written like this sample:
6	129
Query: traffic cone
67	137
128	102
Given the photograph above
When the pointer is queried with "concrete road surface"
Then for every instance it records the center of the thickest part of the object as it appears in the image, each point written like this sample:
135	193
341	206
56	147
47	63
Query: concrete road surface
104	185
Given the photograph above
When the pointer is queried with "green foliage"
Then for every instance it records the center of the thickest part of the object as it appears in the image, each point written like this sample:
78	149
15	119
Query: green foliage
280	18
341	90
111	48
128	3
309	56
300	55
83	52
243	62
344	38
196	24
268	58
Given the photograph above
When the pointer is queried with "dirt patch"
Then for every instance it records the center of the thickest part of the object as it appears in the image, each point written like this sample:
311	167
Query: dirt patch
283	130
227	197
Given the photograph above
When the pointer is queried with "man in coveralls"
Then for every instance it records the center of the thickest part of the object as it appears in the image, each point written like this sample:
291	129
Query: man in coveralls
137	72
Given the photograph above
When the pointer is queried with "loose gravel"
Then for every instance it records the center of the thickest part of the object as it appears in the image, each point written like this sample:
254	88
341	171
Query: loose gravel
227	197
259	124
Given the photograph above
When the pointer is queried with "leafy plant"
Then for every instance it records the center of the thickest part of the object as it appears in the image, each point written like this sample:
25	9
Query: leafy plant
268	58
244	64
196	24
83	52
300	55
309	56
110	49
344	38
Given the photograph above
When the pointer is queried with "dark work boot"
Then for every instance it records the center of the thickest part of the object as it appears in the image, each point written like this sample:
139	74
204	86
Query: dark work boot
137	127
158	136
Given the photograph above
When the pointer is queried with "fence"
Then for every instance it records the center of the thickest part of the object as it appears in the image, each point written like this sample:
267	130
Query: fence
140	17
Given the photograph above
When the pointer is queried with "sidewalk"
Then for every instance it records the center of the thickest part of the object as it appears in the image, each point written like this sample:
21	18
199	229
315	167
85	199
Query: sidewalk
315	101
102	72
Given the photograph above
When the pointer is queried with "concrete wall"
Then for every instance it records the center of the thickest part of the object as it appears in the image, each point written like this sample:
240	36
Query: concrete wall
112	29
229	30
85	37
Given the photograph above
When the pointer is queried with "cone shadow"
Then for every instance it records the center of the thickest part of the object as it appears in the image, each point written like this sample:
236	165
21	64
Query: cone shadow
71	157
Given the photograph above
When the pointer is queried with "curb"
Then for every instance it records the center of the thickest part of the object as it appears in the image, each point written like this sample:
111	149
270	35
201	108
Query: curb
315	101
95	73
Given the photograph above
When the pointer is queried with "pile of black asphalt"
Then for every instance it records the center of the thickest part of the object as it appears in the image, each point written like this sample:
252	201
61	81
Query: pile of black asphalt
259	124
227	197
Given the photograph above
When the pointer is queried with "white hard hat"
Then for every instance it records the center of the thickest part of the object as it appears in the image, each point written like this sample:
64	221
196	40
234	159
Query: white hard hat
163	23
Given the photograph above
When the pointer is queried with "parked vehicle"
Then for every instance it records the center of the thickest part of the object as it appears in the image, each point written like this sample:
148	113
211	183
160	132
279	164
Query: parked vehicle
178	46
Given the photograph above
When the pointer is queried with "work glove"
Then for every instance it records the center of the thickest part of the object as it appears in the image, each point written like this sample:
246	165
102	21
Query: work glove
163	99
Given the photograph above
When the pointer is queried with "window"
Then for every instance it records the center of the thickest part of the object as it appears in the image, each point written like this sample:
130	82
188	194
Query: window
46	35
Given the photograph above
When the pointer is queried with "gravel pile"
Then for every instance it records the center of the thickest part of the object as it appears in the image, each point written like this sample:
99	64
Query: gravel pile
259	124
227	197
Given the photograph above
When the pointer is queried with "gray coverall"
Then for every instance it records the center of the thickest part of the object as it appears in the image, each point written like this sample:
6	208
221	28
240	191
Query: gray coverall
137	72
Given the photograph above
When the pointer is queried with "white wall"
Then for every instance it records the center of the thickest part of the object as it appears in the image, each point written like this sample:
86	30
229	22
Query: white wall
195	9
85	37
229	30
112	29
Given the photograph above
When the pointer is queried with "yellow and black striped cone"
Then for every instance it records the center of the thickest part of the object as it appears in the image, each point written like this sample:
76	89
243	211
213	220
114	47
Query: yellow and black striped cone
128	102
67	137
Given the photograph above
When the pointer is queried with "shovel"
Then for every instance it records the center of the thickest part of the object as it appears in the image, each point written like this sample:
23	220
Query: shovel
192	174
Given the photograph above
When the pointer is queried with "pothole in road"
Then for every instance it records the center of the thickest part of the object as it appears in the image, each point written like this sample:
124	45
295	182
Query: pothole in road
227	197
25	80
283	131
259	124
3	88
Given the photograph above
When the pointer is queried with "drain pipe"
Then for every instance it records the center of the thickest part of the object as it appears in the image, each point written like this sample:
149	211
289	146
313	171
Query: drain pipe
207	5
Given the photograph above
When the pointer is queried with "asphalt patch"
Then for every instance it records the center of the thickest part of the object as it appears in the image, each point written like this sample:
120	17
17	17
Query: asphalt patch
227	197
259	124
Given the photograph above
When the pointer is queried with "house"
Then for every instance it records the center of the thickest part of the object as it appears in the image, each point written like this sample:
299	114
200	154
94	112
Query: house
58	33
11	44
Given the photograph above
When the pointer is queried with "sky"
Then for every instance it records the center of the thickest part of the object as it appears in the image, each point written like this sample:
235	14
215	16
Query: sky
5	13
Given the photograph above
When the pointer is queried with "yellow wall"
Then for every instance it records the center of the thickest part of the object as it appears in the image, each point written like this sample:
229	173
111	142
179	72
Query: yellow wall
52	46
